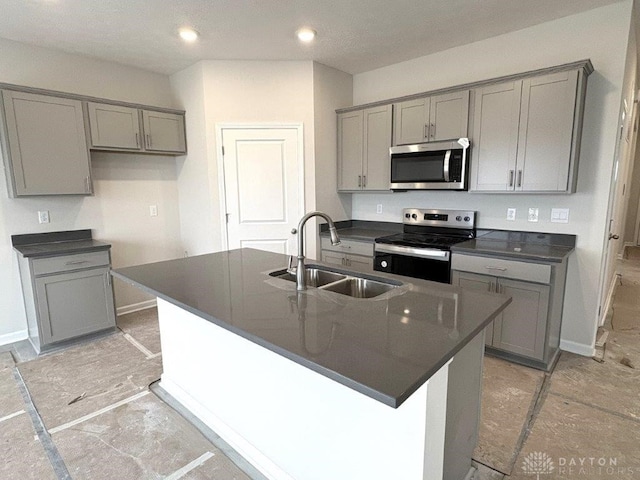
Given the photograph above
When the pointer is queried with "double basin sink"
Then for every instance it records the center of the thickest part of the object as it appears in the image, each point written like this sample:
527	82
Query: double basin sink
344	284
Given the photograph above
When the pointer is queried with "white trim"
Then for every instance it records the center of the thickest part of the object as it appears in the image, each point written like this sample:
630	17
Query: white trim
13	337
147	353
298	126
8	417
577	348
136	307
190	466
609	298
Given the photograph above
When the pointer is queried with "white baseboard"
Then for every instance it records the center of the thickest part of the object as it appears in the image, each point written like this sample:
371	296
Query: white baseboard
135	307
578	348
14	337
609	299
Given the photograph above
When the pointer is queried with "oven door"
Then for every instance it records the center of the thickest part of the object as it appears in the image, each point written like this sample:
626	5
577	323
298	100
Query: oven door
434	266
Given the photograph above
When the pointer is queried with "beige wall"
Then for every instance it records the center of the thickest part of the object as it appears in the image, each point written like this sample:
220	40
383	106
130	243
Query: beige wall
600	35
125	185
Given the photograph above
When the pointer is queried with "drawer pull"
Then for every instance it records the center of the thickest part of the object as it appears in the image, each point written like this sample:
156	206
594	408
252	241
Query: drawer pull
77	262
501	269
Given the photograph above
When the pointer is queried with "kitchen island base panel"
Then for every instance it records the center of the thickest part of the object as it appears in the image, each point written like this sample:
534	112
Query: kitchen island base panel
291	422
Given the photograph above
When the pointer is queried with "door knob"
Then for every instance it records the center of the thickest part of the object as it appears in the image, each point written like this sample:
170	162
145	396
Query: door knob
613	236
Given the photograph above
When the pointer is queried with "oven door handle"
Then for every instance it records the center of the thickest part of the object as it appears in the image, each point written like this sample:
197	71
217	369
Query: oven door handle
440	255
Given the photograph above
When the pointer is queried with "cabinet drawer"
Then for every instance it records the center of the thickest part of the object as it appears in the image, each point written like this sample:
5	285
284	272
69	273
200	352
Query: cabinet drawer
65	263
348	246
499	267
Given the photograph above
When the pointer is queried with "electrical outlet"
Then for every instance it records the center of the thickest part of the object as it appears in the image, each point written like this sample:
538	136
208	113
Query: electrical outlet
533	215
153	210
511	214
379	208
43	216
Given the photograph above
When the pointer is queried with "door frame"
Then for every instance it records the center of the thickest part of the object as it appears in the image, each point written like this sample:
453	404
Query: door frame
222	192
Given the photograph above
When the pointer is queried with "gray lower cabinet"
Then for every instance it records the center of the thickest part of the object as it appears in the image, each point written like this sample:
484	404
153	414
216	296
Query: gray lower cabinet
349	253
44	145
67	296
528	331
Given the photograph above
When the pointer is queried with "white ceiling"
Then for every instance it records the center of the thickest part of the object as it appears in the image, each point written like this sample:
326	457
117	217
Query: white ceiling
353	35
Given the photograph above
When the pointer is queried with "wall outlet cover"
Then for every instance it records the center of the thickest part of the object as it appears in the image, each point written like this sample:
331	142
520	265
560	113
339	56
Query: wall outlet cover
511	214
379	208
560	215
533	214
153	210
43	216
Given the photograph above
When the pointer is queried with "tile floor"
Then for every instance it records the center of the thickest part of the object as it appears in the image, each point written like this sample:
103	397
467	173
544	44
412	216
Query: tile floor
89	412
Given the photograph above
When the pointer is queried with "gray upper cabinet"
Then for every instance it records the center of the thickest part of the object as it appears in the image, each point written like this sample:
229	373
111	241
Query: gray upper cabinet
164	132
364	138
429	119
526	134
114	126
44	145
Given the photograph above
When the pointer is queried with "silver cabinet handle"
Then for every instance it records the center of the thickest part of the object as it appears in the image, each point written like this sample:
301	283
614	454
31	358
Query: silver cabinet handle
426	131
359	181
519	178
76	262
344	246
432	129
137	140
364	181
501	269
511	172
148	140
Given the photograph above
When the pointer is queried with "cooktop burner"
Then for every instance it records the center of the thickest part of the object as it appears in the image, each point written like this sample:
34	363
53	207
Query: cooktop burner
421	240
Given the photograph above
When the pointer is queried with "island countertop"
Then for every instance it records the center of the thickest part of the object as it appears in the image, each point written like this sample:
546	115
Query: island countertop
384	347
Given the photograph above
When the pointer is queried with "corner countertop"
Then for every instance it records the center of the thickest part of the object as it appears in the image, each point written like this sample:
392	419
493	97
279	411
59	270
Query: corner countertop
56	243
362	230
385	347
528	246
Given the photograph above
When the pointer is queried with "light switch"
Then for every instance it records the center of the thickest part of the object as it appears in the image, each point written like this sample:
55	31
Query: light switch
153	210
511	214
379	208
560	215
533	214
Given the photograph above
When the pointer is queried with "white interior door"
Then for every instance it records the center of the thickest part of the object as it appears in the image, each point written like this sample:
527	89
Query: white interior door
263	187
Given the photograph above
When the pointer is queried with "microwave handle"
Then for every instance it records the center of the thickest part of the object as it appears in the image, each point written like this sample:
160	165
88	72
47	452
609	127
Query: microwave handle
446	166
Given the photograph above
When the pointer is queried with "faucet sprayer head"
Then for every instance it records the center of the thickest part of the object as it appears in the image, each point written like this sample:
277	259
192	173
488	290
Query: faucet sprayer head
335	239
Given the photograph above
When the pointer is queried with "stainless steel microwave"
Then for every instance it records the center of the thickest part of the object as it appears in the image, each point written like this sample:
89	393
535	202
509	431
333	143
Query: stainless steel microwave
430	166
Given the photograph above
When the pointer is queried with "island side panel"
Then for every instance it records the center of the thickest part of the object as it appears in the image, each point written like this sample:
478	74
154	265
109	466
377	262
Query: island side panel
291	422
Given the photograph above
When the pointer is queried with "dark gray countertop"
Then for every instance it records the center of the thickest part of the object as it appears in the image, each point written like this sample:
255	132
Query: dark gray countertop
56	243
530	246
362	230
385	347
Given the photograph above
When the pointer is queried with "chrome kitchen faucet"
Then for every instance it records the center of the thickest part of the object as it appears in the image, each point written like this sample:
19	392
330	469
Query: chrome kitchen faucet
301	274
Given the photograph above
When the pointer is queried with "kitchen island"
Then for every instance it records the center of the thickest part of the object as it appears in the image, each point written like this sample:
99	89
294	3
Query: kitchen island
318	384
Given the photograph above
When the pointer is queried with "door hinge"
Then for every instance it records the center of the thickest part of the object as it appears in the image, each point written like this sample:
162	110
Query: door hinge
223	150
599	311
227	215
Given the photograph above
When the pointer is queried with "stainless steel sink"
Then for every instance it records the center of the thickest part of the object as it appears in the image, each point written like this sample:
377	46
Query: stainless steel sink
314	276
359	287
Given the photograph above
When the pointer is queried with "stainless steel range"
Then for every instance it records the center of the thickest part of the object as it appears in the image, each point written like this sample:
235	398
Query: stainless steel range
423	249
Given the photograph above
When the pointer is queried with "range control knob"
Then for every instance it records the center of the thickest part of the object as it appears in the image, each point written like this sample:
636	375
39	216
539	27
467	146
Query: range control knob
406	215
414	216
459	218
466	219
384	264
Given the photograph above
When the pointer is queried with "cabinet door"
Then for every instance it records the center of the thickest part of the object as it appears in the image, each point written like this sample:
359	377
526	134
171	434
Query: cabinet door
164	132
47	145
360	263
113	126
350	150
333	258
522	327
449	116
376	171
74	304
495	137
411	122
483	283
546	132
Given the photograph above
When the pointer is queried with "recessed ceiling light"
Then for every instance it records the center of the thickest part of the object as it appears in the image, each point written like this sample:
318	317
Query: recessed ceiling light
306	34
188	34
